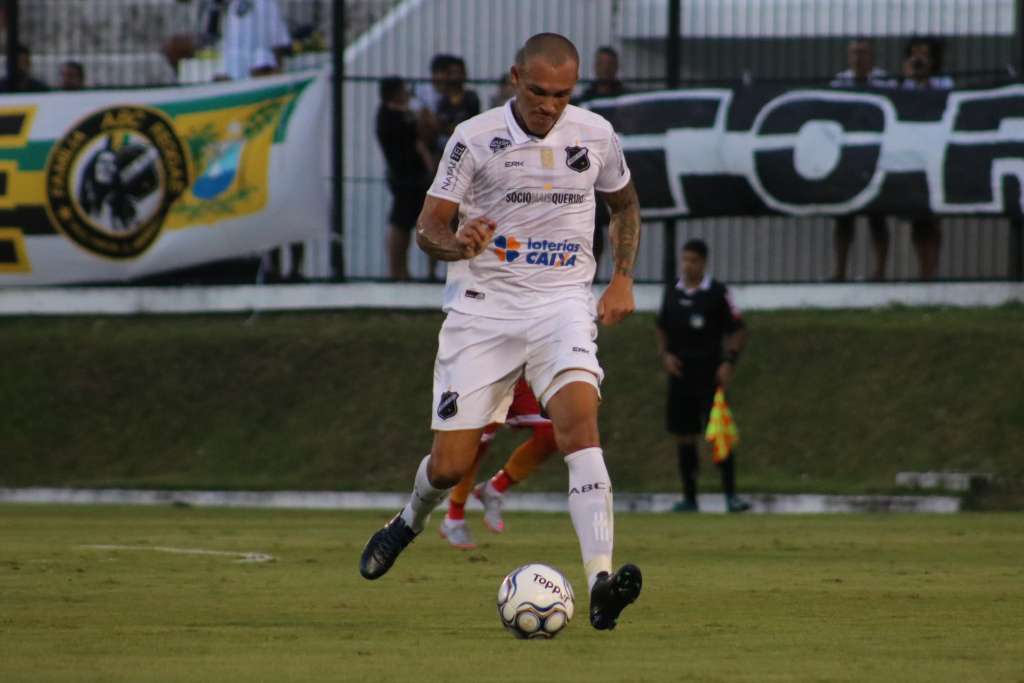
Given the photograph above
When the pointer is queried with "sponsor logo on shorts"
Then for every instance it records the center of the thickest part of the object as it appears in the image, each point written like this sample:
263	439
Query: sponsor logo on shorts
498	144
515	164
580	349
448	406
536	252
473	294
539	197
577	158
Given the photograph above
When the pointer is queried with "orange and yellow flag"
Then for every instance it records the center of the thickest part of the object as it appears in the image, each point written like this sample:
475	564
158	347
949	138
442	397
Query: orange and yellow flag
721	431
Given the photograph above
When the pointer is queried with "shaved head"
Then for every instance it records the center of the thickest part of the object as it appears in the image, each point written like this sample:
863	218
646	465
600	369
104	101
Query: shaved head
553	48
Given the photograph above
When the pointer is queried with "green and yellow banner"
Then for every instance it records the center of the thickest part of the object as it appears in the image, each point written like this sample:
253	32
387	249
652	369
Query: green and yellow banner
114	185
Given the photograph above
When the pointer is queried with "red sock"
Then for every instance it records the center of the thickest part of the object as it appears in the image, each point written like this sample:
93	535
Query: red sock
501	481
456	510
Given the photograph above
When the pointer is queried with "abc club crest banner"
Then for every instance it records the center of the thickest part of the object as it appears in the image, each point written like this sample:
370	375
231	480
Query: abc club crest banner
761	151
114	185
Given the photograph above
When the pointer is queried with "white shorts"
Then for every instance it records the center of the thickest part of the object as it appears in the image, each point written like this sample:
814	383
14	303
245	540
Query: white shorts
480	359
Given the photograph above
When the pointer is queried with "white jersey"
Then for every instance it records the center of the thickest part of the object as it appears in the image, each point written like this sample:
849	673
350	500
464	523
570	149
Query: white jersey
540	192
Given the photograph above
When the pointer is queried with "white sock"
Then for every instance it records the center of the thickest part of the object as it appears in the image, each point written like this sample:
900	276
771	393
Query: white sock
423	500
590	506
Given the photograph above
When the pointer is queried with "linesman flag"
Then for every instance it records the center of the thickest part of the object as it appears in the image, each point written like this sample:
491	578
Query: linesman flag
721	431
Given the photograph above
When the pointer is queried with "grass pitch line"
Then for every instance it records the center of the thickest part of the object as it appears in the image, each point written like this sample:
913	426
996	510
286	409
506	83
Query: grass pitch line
243	557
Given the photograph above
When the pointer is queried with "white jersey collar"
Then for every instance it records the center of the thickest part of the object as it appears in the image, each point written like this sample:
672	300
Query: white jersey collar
519	136
704	285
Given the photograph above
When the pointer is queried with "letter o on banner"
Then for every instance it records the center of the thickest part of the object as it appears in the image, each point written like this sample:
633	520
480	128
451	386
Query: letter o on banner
818	151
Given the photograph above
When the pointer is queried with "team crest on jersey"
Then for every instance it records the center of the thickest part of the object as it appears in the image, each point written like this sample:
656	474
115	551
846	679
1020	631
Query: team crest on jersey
112	178
577	158
498	144
448	406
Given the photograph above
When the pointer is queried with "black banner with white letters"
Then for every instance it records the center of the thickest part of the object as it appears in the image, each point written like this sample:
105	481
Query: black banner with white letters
763	151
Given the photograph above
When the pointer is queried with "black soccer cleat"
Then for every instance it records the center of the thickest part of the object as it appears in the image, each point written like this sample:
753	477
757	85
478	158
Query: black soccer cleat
611	594
383	548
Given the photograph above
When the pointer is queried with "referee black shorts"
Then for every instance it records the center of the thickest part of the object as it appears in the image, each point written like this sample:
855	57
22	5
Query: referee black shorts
689	404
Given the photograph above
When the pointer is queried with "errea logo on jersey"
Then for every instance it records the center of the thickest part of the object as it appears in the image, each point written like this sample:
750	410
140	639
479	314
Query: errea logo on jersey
540	252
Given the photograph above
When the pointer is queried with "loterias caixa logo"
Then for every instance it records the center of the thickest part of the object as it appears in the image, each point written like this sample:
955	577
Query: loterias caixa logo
112	178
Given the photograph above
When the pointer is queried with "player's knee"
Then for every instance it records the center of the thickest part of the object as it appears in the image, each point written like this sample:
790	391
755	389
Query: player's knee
577	435
443	474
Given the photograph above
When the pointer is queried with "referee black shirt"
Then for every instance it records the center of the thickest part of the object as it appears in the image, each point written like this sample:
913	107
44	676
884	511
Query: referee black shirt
696	322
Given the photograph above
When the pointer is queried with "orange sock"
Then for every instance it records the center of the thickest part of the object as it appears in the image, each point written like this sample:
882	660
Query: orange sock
460	494
530	454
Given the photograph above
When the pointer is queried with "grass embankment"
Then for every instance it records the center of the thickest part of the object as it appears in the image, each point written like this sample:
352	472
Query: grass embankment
781	598
825	401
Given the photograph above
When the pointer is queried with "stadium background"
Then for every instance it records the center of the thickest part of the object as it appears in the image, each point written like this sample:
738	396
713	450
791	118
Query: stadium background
832	402
734	43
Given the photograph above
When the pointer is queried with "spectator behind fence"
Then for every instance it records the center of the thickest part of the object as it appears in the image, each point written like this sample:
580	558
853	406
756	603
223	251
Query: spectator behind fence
700	335
458	103
255	38
444	104
428	95
862	73
23	81
72	76
921	71
606	84
505	92
410	169
255	41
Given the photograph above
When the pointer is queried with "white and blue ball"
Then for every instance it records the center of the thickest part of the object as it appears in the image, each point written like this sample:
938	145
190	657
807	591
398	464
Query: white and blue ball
535	601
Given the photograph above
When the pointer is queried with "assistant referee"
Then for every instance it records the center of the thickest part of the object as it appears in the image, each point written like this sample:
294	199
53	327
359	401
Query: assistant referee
700	337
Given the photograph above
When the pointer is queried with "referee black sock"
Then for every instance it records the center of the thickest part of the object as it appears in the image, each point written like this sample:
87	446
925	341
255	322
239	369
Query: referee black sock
688	466
728	468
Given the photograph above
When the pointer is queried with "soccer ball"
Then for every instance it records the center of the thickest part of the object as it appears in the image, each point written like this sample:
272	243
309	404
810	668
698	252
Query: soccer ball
535	601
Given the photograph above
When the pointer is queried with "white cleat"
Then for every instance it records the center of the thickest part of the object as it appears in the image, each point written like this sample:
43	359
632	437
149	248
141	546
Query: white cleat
492	501
456	533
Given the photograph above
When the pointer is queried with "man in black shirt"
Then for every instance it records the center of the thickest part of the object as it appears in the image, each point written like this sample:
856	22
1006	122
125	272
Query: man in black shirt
700	336
410	169
607	84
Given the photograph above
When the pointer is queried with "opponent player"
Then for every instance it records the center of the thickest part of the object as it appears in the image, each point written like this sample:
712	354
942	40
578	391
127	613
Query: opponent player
522	179
525	412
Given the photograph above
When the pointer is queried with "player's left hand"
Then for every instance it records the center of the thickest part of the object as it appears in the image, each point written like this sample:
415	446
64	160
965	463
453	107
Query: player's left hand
724	375
617	301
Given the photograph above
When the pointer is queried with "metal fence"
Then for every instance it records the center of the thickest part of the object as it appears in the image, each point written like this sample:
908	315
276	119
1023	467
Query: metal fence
661	43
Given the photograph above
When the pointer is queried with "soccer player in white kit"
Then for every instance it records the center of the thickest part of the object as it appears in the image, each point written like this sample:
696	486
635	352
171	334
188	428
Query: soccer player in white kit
522	179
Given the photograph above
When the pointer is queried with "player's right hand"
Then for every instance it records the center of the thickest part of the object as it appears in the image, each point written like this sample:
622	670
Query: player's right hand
474	235
673	365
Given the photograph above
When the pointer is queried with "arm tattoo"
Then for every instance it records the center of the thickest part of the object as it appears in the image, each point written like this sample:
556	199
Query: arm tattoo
625	228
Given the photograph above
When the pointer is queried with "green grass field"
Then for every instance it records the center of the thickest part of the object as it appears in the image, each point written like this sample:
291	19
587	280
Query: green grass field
826	401
824	598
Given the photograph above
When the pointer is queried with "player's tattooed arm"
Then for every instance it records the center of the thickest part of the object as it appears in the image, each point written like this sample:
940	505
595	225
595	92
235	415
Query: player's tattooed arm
625	228
617	302
434	234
